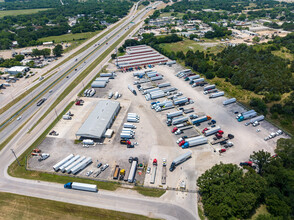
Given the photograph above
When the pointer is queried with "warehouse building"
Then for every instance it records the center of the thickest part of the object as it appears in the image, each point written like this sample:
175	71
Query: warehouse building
17	69
100	119
139	56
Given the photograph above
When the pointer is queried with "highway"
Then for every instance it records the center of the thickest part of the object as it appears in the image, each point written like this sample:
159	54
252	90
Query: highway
153	207
71	70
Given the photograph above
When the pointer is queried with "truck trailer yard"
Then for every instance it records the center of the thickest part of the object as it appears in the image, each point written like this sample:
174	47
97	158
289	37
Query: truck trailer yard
154	137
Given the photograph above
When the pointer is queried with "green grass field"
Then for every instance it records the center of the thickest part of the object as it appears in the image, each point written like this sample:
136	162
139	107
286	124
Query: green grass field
70	37
186	45
21	12
14	206
167	14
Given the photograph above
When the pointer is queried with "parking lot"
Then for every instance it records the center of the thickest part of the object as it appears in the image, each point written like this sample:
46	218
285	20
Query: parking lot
154	137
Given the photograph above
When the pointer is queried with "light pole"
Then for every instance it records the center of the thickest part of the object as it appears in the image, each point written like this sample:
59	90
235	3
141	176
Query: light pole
15	157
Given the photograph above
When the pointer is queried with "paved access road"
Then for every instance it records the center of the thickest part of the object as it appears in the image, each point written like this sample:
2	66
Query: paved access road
153	207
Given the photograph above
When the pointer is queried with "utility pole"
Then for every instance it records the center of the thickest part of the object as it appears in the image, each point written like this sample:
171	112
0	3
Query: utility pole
15	157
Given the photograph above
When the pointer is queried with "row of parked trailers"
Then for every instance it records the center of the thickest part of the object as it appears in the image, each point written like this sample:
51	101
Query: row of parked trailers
127	130
72	164
89	92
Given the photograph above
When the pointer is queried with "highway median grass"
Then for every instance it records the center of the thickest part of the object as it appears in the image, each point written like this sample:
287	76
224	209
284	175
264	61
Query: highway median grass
14	206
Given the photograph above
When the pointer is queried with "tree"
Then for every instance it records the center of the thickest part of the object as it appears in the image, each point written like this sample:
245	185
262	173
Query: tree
19	57
36	53
57	50
121	49
113	56
260	158
256	39
46	52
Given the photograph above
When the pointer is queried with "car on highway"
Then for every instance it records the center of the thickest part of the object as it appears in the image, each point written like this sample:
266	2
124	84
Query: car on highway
18	118
50	90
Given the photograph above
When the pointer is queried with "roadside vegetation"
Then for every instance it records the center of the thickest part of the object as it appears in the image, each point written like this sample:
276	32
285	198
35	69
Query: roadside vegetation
228	191
14	206
151	192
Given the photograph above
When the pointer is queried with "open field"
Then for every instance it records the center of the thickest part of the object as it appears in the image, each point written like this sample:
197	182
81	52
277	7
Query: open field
186	45
14	206
21	12
167	14
260	211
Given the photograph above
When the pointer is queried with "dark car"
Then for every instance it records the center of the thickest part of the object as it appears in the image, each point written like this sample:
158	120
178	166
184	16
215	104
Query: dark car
99	165
230	136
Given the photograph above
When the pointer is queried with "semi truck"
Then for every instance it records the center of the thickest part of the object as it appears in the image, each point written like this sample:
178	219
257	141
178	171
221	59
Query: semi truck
153	174
129	125
212	131
257	119
217	94
247	116
179	120
229	101
41	101
209	87
180	159
81	186
197	121
243	113
133	170
194	142
174	114
132	89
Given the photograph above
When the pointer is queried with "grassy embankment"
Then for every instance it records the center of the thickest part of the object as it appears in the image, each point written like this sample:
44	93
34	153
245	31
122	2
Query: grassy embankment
151	192
21	12
14	206
242	95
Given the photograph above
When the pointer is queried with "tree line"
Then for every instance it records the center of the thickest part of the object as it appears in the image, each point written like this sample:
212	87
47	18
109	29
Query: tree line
229	191
28	29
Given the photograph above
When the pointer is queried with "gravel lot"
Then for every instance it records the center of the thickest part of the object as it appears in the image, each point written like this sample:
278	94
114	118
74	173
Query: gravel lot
154	138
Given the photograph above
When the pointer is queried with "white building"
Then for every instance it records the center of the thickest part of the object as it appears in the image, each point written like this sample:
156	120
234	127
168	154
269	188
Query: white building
17	69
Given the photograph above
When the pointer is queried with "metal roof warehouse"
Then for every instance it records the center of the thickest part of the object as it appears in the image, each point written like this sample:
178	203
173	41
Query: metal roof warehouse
100	119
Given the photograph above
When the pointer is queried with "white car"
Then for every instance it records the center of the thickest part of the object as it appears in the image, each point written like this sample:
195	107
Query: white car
18	118
148	170
89	173
163	161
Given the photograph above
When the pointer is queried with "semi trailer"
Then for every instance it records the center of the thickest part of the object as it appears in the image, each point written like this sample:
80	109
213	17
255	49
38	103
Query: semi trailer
81	186
215	95
200	119
180	159
229	101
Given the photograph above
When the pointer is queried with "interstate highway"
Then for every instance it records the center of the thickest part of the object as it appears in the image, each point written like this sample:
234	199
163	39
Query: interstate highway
83	61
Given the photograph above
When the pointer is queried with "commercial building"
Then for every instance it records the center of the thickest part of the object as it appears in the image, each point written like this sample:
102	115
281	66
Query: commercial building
100	119
17	69
138	56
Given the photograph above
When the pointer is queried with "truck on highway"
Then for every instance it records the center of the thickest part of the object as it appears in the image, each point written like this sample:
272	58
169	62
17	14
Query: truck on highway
180	159
81	186
41	101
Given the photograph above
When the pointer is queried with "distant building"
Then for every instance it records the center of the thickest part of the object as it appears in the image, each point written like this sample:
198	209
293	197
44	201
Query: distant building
14	44
17	69
50	43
